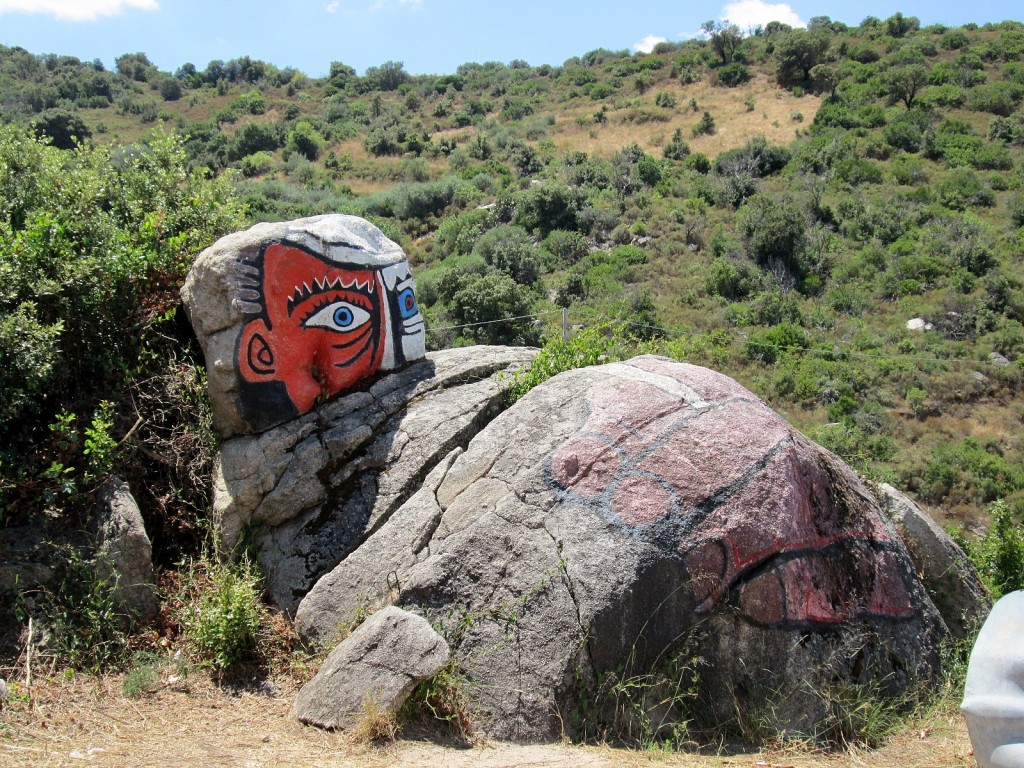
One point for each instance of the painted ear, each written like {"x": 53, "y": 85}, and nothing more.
{"x": 256, "y": 361}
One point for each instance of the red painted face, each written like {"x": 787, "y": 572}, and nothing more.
{"x": 323, "y": 328}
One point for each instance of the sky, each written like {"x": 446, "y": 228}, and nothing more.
{"x": 427, "y": 36}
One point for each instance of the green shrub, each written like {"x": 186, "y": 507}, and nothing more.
{"x": 733, "y": 74}
{"x": 590, "y": 346}
{"x": 566, "y": 246}
{"x": 770, "y": 345}
{"x": 677, "y": 148}
{"x": 510, "y": 250}
{"x": 999, "y": 556}
{"x": 257, "y": 164}
{"x": 971, "y": 469}
{"x": 304, "y": 140}
{"x": 705, "y": 126}
{"x": 83, "y": 235}
{"x": 79, "y": 614}
{"x": 962, "y": 189}
{"x": 222, "y": 618}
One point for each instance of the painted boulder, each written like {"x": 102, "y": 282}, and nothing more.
{"x": 289, "y": 314}
{"x": 621, "y": 516}
{"x": 994, "y": 693}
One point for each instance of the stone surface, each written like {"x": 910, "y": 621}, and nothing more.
{"x": 620, "y": 514}
{"x": 952, "y": 582}
{"x": 124, "y": 552}
{"x": 23, "y": 552}
{"x": 994, "y": 693}
{"x": 308, "y": 492}
{"x": 377, "y": 665}
{"x": 291, "y": 313}
{"x": 918, "y": 324}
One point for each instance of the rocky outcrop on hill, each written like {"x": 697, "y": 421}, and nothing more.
{"x": 621, "y": 515}
{"x": 307, "y": 493}
{"x": 952, "y": 582}
{"x": 615, "y": 520}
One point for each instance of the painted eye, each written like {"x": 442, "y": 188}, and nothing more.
{"x": 407, "y": 304}
{"x": 338, "y": 316}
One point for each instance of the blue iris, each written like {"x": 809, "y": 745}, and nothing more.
{"x": 343, "y": 317}
{"x": 407, "y": 304}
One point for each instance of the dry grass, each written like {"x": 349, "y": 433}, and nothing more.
{"x": 771, "y": 116}
{"x": 191, "y": 722}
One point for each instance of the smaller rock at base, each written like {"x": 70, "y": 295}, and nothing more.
{"x": 125, "y": 554}
{"x": 376, "y": 666}
{"x": 4, "y": 693}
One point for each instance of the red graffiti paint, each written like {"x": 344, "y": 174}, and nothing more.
{"x": 724, "y": 486}
{"x": 322, "y": 329}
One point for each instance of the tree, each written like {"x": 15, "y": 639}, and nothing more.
{"x": 509, "y": 250}
{"x": 677, "y": 148}
{"x": 170, "y": 88}
{"x": 388, "y": 76}
{"x": 797, "y": 53}
{"x": 905, "y": 82}
{"x": 899, "y": 25}
{"x": 725, "y": 38}
{"x": 63, "y": 127}
{"x": 826, "y": 78}
{"x": 774, "y": 230}
{"x": 254, "y": 137}
{"x": 135, "y": 66}
{"x": 495, "y": 306}
{"x": 305, "y": 140}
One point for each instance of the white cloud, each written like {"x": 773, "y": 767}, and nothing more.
{"x": 380, "y": 5}
{"x": 76, "y": 10}
{"x": 647, "y": 44}
{"x": 747, "y": 14}
{"x": 332, "y": 7}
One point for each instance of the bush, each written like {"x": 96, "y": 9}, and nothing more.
{"x": 257, "y": 164}
{"x": 962, "y": 189}
{"x": 548, "y": 206}
{"x": 999, "y": 556}
{"x": 705, "y": 126}
{"x": 732, "y": 75}
{"x": 457, "y": 235}
{"x": 485, "y": 302}
{"x": 774, "y": 229}
{"x": 566, "y": 246}
{"x": 590, "y": 346}
{"x": 971, "y": 469}
{"x": 677, "y": 148}
{"x": 304, "y": 140}
{"x": 774, "y": 343}
{"x": 221, "y": 620}
{"x": 79, "y": 614}
{"x": 510, "y": 250}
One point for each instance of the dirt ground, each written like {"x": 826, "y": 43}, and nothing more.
{"x": 192, "y": 722}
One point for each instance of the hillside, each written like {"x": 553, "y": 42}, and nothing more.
{"x": 776, "y": 206}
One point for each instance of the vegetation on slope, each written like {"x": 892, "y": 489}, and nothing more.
{"x": 776, "y": 205}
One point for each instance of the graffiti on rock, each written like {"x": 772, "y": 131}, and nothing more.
{"x": 317, "y": 326}
{"x": 716, "y": 478}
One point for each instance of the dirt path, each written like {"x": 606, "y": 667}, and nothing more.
{"x": 87, "y": 721}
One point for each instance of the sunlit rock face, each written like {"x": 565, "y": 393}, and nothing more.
{"x": 291, "y": 314}
{"x": 623, "y": 514}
